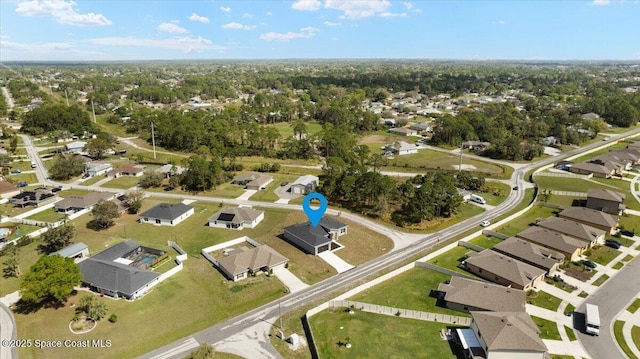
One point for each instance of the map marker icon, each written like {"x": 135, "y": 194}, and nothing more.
{"x": 314, "y": 215}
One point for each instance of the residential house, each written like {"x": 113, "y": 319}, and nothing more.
{"x": 74, "y": 204}
{"x": 315, "y": 240}
{"x": 33, "y": 198}
{"x": 496, "y": 335}
{"x": 570, "y": 247}
{"x": 75, "y": 147}
{"x": 475, "y": 145}
{"x": 304, "y": 184}
{"x": 590, "y": 116}
{"x": 503, "y": 270}
{"x": 127, "y": 170}
{"x": 236, "y": 218}
{"x": 97, "y": 168}
{"x": 169, "y": 170}
{"x": 531, "y": 253}
{"x": 574, "y": 229}
{"x": 421, "y": 127}
{"x": 167, "y": 214}
{"x": 467, "y": 295}
{"x": 253, "y": 180}
{"x": 601, "y": 170}
{"x": 241, "y": 262}
{"x": 401, "y": 148}
{"x": 591, "y": 217}
{"x": 606, "y": 201}
{"x": 8, "y": 190}
{"x": 77, "y": 251}
{"x": 550, "y": 141}
{"x": 403, "y": 131}
{"x": 110, "y": 272}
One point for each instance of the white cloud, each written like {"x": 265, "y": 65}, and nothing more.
{"x": 329, "y": 23}
{"x": 186, "y": 43}
{"x": 307, "y": 5}
{"x": 246, "y": 15}
{"x": 334, "y": 39}
{"x": 305, "y": 33}
{"x": 237, "y": 26}
{"x": 36, "y": 47}
{"x": 500, "y": 22}
{"x": 62, "y": 12}
{"x": 600, "y": 2}
{"x": 198, "y": 18}
{"x": 269, "y": 13}
{"x": 225, "y": 9}
{"x": 172, "y": 28}
{"x": 356, "y": 9}
{"x": 408, "y": 5}
{"x": 388, "y": 15}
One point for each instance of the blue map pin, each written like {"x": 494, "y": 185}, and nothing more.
{"x": 314, "y": 215}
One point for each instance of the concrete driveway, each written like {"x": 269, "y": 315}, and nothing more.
{"x": 247, "y": 193}
{"x": 335, "y": 261}
{"x": 290, "y": 280}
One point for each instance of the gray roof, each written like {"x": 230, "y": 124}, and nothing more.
{"x": 331, "y": 224}
{"x": 485, "y": 296}
{"x": 605, "y": 194}
{"x": 168, "y": 167}
{"x": 590, "y": 216}
{"x": 593, "y": 167}
{"x": 102, "y": 272}
{"x": 167, "y": 211}
{"x": 98, "y": 166}
{"x": 508, "y": 331}
{"x": 236, "y": 215}
{"x": 71, "y": 250}
{"x": 528, "y": 252}
{"x": 246, "y": 176}
{"x": 552, "y": 239}
{"x": 506, "y": 267}
{"x": 305, "y": 180}
{"x": 242, "y": 259}
{"x": 314, "y": 236}
{"x": 83, "y": 202}
{"x": 572, "y": 228}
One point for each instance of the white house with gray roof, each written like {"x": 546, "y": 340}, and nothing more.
{"x": 167, "y": 214}
{"x": 315, "y": 240}
{"x": 304, "y": 184}
{"x": 77, "y": 251}
{"x": 236, "y": 218}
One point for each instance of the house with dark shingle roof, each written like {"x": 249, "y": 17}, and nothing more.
{"x": 167, "y": 214}
{"x": 468, "y": 295}
{"x": 104, "y": 273}
{"x": 606, "y": 201}
{"x": 530, "y": 253}
{"x": 591, "y": 217}
{"x": 503, "y": 270}
{"x": 574, "y": 229}
{"x": 236, "y": 218}
{"x": 315, "y": 240}
{"x": 239, "y": 263}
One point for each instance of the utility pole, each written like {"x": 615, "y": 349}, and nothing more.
{"x": 153, "y": 141}
{"x": 460, "y": 166}
{"x": 66, "y": 95}
{"x": 94, "y": 111}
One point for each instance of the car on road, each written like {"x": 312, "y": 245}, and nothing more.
{"x": 613, "y": 244}
{"x": 628, "y": 233}
{"x": 22, "y": 184}
{"x": 485, "y": 224}
{"x": 284, "y": 184}
{"x": 515, "y": 188}
{"x": 589, "y": 264}
{"x": 16, "y": 171}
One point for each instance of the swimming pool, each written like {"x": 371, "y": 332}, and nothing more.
{"x": 5, "y": 232}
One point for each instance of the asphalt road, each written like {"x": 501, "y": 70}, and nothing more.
{"x": 319, "y": 290}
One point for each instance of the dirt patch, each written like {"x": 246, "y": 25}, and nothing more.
{"x": 465, "y": 167}
{"x": 578, "y": 273}
{"x": 375, "y": 139}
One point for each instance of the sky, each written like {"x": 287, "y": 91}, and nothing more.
{"x": 62, "y": 30}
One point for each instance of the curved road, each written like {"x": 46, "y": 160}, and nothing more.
{"x": 319, "y": 290}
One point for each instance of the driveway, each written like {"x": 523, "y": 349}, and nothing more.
{"x": 284, "y": 192}
{"x": 247, "y": 193}
{"x": 8, "y": 331}
{"x": 290, "y": 280}
{"x": 335, "y": 261}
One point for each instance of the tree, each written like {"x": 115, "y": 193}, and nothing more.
{"x": 13, "y": 144}
{"x": 150, "y": 179}
{"x": 56, "y": 238}
{"x": 202, "y": 175}
{"x": 205, "y": 351}
{"x": 97, "y": 147}
{"x": 51, "y": 278}
{"x": 103, "y": 214}
{"x": 134, "y": 201}
{"x": 11, "y": 265}
{"x": 65, "y": 167}
{"x": 94, "y": 308}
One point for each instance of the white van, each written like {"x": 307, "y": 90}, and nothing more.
{"x": 33, "y": 164}
{"x": 477, "y": 199}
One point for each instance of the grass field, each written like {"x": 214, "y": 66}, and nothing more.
{"x": 603, "y": 254}
{"x": 634, "y": 306}
{"x": 92, "y": 180}
{"x": 561, "y": 200}
{"x": 22, "y": 165}
{"x": 452, "y": 259}
{"x": 22, "y": 177}
{"x": 409, "y": 290}
{"x": 548, "y": 329}
{"x": 48, "y": 215}
{"x": 598, "y": 282}
{"x": 369, "y": 335}
{"x": 571, "y": 334}
{"x": 544, "y": 300}
{"x": 431, "y": 159}
{"x": 635, "y": 335}
{"x": 267, "y": 194}
{"x": 582, "y": 185}
{"x": 570, "y": 308}
{"x": 617, "y": 333}
{"x": 225, "y": 190}
{"x": 523, "y": 222}
{"x": 124, "y": 182}
{"x": 286, "y": 129}
{"x": 485, "y": 242}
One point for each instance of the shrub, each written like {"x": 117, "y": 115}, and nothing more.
{"x": 77, "y": 326}
{"x": 113, "y": 318}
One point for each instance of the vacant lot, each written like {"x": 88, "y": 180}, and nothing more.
{"x": 452, "y": 259}
{"x": 582, "y": 185}
{"x": 526, "y": 220}
{"x": 485, "y": 241}
{"x": 124, "y": 182}
{"x": 378, "y": 336}
{"x": 48, "y": 215}
{"x": 224, "y": 190}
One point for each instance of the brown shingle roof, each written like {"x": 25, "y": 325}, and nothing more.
{"x": 506, "y": 267}
{"x": 508, "y": 331}
{"x": 572, "y": 228}
{"x": 485, "y": 296}
{"x": 529, "y": 252}
{"x": 552, "y": 239}
{"x": 83, "y": 202}
{"x": 590, "y": 216}
{"x": 605, "y": 194}
{"x": 243, "y": 259}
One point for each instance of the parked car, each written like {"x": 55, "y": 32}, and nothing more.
{"x": 613, "y": 244}
{"x": 589, "y": 264}
{"x": 485, "y": 224}
{"x": 284, "y": 184}
{"x": 56, "y": 189}
{"x": 628, "y": 233}
{"x": 16, "y": 171}
{"x": 22, "y": 184}
{"x": 515, "y": 188}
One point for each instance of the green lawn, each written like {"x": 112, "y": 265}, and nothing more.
{"x": 583, "y": 294}
{"x": 225, "y": 190}
{"x": 48, "y": 215}
{"x": 124, "y": 182}
{"x": 559, "y": 356}
{"x": 485, "y": 241}
{"x": 635, "y": 335}
{"x": 286, "y": 128}
{"x": 561, "y": 200}
{"x": 22, "y": 165}
{"x": 603, "y": 254}
{"x": 617, "y": 332}
{"x": 603, "y": 278}
{"x": 378, "y": 336}
{"x": 582, "y": 185}
{"x": 634, "y": 306}
{"x": 526, "y": 220}
{"x": 267, "y": 194}
{"x": 548, "y": 329}
{"x": 72, "y": 192}
{"x": 627, "y": 258}
{"x": 452, "y": 259}
{"x": 618, "y": 265}
{"x": 570, "y": 308}
{"x": 544, "y": 300}
{"x": 630, "y": 223}
{"x": 92, "y": 180}
{"x": 409, "y": 290}
{"x": 23, "y": 177}
{"x": 497, "y": 193}
{"x": 432, "y": 159}
{"x": 570, "y": 333}
{"x": 616, "y": 146}
{"x": 465, "y": 211}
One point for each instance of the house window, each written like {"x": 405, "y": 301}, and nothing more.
{"x": 497, "y": 278}
{"x": 466, "y": 307}
{"x": 479, "y": 270}
{"x": 146, "y": 219}
{"x": 158, "y": 221}
{"x": 171, "y": 222}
